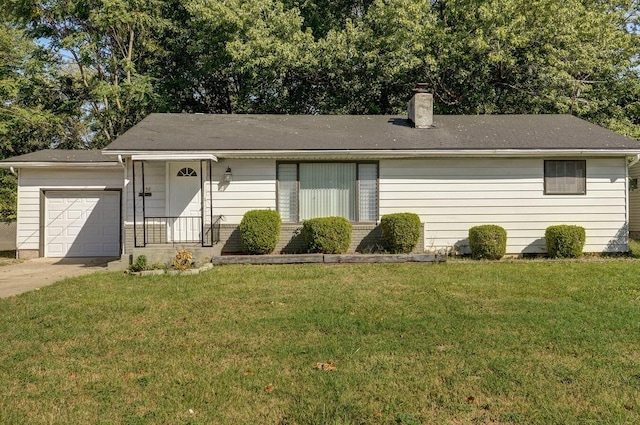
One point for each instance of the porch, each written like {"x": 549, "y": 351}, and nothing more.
{"x": 170, "y": 204}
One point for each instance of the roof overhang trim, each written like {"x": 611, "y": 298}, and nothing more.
{"x": 372, "y": 154}
{"x": 172, "y": 156}
{"x": 58, "y": 164}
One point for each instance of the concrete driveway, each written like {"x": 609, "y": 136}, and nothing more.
{"x": 32, "y": 274}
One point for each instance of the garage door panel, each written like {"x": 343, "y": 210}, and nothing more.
{"x": 55, "y": 230}
{"x": 82, "y": 224}
{"x": 55, "y": 249}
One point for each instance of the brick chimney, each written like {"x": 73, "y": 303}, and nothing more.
{"x": 420, "y": 107}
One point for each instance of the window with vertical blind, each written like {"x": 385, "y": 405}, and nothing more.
{"x": 565, "y": 177}
{"x": 326, "y": 189}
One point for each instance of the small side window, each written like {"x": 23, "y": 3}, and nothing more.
{"x": 565, "y": 177}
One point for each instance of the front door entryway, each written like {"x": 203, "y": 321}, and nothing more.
{"x": 185, "y": 204}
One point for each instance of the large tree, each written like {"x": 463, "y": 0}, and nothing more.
{"x": 104, "y": 43}
{"x": 38, "y": 106}
{"x": 348, "y": 56}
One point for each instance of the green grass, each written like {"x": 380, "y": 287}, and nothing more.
{"x": 634, "y": 248}
{"x": 522, "y": 342}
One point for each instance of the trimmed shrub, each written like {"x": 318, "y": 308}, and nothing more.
{"x": 260, "y": 231}
{"x": 400, "y": 232}
{"x": 139, "y": 265}
{"x": 327, "y": 235}
{"x": 564, "y": 241}
{"x": 488, "y": 242}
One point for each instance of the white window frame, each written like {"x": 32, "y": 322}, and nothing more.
{"x": 550, "y": 166}
{"x": 357, "y": 189}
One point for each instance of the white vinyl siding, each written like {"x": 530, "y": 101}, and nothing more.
{"x": 155, "y": 182}
{"x": 33, "y": 180}
{"x": 452, "y": 195}
{"x": 253, "y": 187}
{"x": 634, "y": 200}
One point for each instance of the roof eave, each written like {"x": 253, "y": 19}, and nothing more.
{"x": 57, "y": 164}
{"x": 369, "y": 153}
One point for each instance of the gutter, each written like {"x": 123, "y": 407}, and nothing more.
{"x": 162, "y": 155}
{"x": 405, "y": 153}
{"x": 12, "y": 165}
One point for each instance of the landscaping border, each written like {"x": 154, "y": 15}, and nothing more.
{"x": 328, "y": 258}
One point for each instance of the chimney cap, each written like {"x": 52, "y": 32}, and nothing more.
{"x": 421, "y": 88}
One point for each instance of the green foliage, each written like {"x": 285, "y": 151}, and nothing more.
{"x": 126, "y": 59}
{"x": 140, "y": 264}
{"x": 105, "y": 43}
{"x": 564, "y": 241}
{"x": 400, "y": 231}
{"x": 8, "y": 188}
{"x": 327, "y": 235}
{"x": 260, "y": 231}
{"x": 37, "y": 106}
{"x": 488, "y": 242}
{"x": 634, "y": 248}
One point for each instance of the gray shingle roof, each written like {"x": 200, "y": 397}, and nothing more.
{"x": 62, "y": 156}
{"x": 197, "y": 132}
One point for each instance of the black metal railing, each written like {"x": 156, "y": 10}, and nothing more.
{"x": 167, "y": 230}
{"x": 180, "y": 230}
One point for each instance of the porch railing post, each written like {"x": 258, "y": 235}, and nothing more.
{"x": 202, "y": 204}
{"x": 144, "y": 209}
{"x": 211, "y": 200}
{"x": 133, "y": 191}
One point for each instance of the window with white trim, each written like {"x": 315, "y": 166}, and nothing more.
{"x": 325, "y": 189}
{"x": 565, "y": 177}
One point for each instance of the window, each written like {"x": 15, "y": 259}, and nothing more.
{"x": 187, "y": 172}
{"x": 565, "y": 177}
{"x": 325, "y": 189}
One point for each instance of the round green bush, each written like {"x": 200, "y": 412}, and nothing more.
{"x": 488, "y": 241}
{"x": 400, "y": 232}
{"x": 564, "y": 241}
{"x": 260, "y": 231}
{"x": 327, "y": 235}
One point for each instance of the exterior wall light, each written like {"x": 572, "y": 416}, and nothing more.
{"x": 227, "y": 175}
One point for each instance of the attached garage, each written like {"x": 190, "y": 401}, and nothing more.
{"x": 69, "y": 204}
{"x": 82, "y": 224}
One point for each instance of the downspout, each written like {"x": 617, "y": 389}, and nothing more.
{"x": 628, "y": 197}
{"x": 123, "y": 209}
{"x": 13, "y": 171}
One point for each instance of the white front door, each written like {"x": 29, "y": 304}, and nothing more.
{"x": 185, "y": 205}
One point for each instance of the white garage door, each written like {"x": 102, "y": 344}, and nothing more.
{"x": 82, "y": 224}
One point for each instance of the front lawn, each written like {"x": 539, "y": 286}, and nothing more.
{"x": 523, "y": 342}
